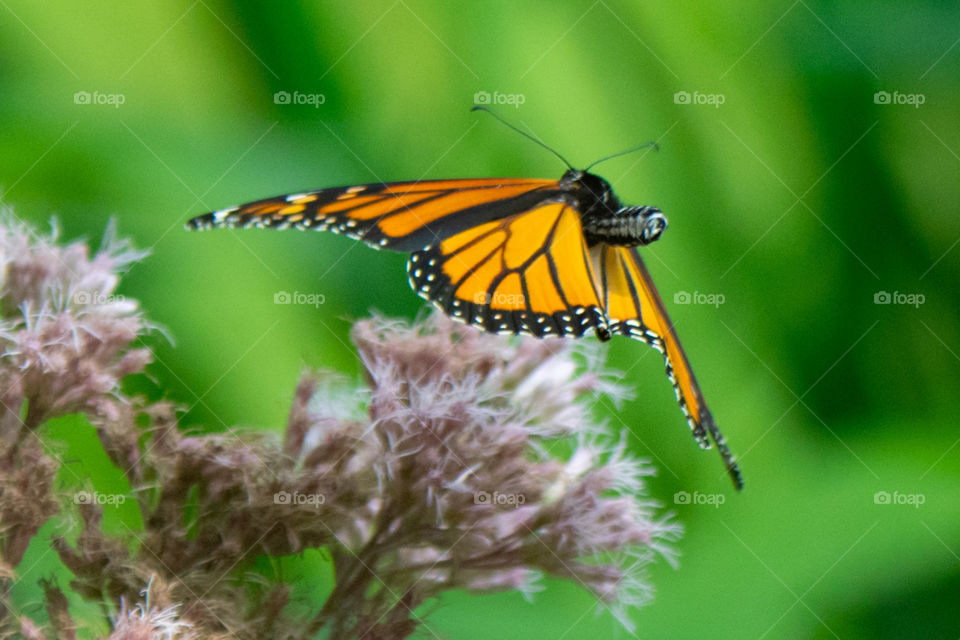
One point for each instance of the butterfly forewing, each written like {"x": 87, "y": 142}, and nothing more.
{"x": 404, "y": 216}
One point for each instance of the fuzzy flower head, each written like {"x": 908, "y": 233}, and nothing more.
{"x": 146, "y": 622}
{"x": 64, "y": 331}
{"x": 465, "y": 436}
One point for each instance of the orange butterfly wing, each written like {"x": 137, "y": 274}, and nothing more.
{"x": 528, "y": 273}
{"x": 634, "y": 308}
{"x": 404, "y": 216}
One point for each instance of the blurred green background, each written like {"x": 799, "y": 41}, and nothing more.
{"x": 799, "y": 199}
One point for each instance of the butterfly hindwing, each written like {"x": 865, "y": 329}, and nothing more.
{"x": 404, "y": 216}
{"x": 634, "y": 308}
{"x": 529, "y": 273}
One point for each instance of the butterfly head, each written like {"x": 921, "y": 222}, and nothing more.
{"x": 594, "y": 195}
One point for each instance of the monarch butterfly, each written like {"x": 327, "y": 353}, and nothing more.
{"x": 511, "y": 255}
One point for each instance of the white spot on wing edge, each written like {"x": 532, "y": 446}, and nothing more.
{"x": 218, "y": 216}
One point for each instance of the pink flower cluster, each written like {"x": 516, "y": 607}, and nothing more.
{"x": 466, "y": 461}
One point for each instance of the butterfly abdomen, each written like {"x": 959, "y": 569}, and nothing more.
{"x": 629, "y": 227}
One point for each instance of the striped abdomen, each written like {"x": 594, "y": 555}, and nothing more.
{"x": 629, "y": 226}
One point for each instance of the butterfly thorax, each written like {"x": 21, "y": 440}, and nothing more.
{"x": 605, "y": 219}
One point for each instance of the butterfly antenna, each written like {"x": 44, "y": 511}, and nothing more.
{"x": 524, "y": 134}
{"x": 653, "y": 144}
